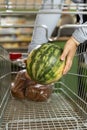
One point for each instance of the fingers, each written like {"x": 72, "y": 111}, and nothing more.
{"x": 68, "y": 55}
{"x": 68, "y": 64}
{"x": 65, "y": 53}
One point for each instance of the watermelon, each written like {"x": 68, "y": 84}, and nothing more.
{"x": 44, "y": 65}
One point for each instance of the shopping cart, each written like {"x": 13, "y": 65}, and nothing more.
{"x": 66, "y": 109}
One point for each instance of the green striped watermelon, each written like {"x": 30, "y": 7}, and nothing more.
{"x": 44, "y": 65}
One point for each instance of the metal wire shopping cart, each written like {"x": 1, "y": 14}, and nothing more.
{"x": 65, "y": 110}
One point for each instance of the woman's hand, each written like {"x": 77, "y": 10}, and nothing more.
{"x": 68, "y": 53}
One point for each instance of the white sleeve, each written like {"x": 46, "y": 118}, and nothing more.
{"x": 48, "y": 20}
{"x": 80, "y": 34}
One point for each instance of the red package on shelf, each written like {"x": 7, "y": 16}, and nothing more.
{"x": 15, "y": 55}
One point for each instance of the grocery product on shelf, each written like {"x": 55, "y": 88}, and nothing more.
{"x": 13, "y": 34}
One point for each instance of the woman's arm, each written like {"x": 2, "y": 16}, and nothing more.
{"x": 79, "y": 36}
{"x": 49, "y": 20}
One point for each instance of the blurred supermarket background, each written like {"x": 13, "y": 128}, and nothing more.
{"x": 17, "y": 20}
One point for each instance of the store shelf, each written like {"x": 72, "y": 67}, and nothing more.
{"x": 16, "y": 32}
{"x": 19, "y": 49}
{"x": 14, "y": 41}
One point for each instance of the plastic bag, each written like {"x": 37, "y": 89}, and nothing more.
{"x": 19, "y": 86}
{"x": 23, "y": 87}
{"x": 38, "y": 92}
